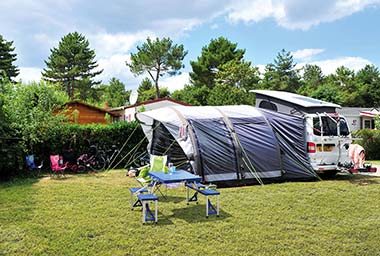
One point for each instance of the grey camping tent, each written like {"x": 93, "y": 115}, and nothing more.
{"x": 230, "y": 145}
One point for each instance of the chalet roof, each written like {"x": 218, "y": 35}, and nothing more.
{"x": 79, "y": 102}
{"x": 296, "y": 99}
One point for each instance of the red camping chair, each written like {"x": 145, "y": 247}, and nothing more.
{"x": 57, "y": 165}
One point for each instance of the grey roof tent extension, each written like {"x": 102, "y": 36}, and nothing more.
{"x": 291, "y": 103}
{"x": 230, "y": 145}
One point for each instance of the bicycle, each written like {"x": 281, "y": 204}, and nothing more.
{"x": 92, "y": 160}
{"x": 109, "y": 155}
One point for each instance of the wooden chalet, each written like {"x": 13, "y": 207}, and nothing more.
{"x": 83, "y": 113}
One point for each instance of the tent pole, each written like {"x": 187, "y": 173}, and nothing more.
{"x": 198, "y": 165}
{"x": 235, "y": 142}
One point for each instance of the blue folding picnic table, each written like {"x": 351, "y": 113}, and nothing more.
{"x": 191, "y": 181}
{"x": 177, "y": 176}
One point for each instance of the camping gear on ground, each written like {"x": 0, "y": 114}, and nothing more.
{"x": 157, "y": 164}
{"x": 57, "y": 165}
{"x": 357, "y": 155}
{"x": 230, "y": 145}
{"x": 32, "y": 166}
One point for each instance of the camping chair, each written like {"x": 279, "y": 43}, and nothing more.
{"x": 57, "y": 166}
{"x": 157, "y": 164}
{"x": 34, "y": 169}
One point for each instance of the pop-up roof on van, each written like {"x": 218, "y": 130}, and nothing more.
{"x": 292, "y": 103}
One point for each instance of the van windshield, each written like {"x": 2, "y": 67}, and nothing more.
{"x": 329, "y": 127}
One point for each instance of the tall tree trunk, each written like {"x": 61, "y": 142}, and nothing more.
{"x": 156, "y": 84}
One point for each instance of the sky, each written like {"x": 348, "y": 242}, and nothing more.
{"x": 329, "y": 33}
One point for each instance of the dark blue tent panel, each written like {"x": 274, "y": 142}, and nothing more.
{"x": 216, "y": 150}
{"x": 230, "y": 144}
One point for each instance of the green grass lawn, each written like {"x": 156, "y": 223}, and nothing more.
{"x": 91, "y": 215}
{"x": 376, "y": 162}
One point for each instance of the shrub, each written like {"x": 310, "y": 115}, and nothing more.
{"x": 370, "y": 142}
{"x": 11, "y": 159}
{"x": 80, "y": 137}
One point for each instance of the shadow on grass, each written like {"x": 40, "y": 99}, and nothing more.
{"x": 20, "y": 182}
{"x": 197, "y": 213}
{"x": 62, "y": 178}
{"x": 170, "y": 198}
{"x": 354, "y": 178}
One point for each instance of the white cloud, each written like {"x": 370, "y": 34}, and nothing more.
{"x": 306, "y": 54}
{"x": 330, "y": 66}
{"x": 255, "y": 10}
{"x": 175, "y": 82}
{"x": 295, "y": 14}
{"x": 106, "y": 44}
{"x": 175, "y": 26}
{"x": 214, "y": 26}
{"x": 261, "y": 69}
{"x": 29, "y": 74}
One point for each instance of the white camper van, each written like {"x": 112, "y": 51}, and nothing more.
{"x": 327, "y": 132}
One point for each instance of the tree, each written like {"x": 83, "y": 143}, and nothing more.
{"x": 344, "y": 81}
{"x": 157, "y": 58}
{"x": 7, "y": 58}
{"x": 312, "y": 79}
{"x": 236, "y": 77}
{"x": 328, "y": 92}
{"x": 30, "y": 107}
{"x": 218, "y": 52}
{"x": 147, "y": 91}
{"x": 116, "y": 95}
{"x": 151, "y": 94}
{"x": 235, "y": 96}
{"x": 72, "y": 64}
{"x": 239, "y": 74}
{"x": 192, "y": 94}
{"x": 368, "y": 82}
{"x": 145, "y": 85}
{"x": 282, "y": 74}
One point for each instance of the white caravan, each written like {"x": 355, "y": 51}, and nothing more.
{"x": 327, "y": 132}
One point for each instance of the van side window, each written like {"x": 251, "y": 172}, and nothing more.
{"x": 268, "y": 105}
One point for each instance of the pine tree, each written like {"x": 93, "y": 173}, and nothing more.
{"x": 282, "y": 75}
{"x": 7, "y": 58}
{"x": 72, "y": 64}
{"x": 158, "y": 58}
{"x": 217, "y": 53}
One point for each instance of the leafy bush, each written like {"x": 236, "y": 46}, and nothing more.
{"x": 11, "y": 158}
{"x": 29, "y": 109}
{"x": 370, "y": 141}
{"x": 80, "y": 137}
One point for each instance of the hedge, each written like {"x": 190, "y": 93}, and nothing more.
{"x": 11, "y": 157}
{"x": 78, "y": 137}
{"x": 370, "y": 140}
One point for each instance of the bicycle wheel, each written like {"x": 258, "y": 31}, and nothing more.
{"x": 99, "y": 163}
{"x": 81, "y": 169}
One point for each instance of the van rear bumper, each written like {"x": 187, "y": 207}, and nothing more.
{"x": 323, "y": 168}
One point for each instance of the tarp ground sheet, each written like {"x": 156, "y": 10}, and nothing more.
{"x": 230, "y": 145}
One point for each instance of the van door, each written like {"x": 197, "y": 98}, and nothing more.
{"x": 329, "y": 135}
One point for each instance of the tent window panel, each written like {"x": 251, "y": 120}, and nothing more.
{"x": 163, "y": 143}
{"x": 261, "y": 146}
{"x": 215, "y": 146}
